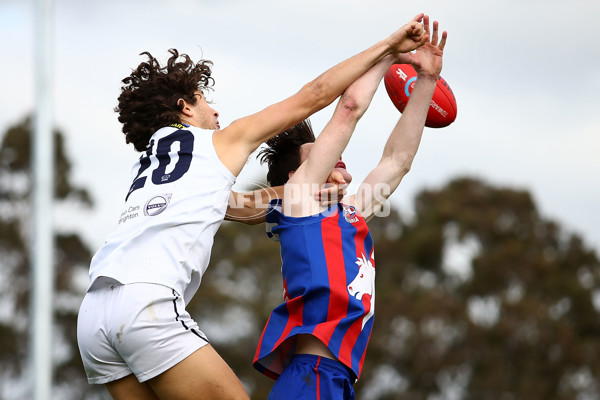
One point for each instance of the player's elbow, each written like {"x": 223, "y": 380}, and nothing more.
{"x": 351, "y": 109}
{"x": 350, "y": 103}
{"x": 315, "y": 95}
{"x": 320, "y": 93}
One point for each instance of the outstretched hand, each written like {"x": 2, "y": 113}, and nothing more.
{"x": 410, "y": 36}
{"x": 427, "y": 60}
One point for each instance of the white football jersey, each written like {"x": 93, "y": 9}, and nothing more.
{"x": 175, "y": 205}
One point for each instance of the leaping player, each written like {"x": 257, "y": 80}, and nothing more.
{"x": 314, "y": 343}
{"x": 134, "y": 333}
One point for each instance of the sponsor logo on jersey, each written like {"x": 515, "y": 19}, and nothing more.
{"x": 130, "y": 213}
{"x": 350, "y": 214}
{"x": 157, "y": 204}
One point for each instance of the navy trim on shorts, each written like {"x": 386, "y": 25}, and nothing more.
{"x": 195, "y": 332}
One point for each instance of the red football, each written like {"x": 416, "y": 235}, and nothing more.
{"x": 399, "y": 83}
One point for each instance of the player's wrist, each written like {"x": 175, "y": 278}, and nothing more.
{"x": 427, "y": 76}
{"x": 389, "y": 46}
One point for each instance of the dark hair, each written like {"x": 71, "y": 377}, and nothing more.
{"x": 148, "y": 99}
{"x": 282, "y": 153}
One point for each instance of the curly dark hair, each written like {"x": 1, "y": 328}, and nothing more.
{"x": 149, "y": 96}
{"x": 282, "y": 153}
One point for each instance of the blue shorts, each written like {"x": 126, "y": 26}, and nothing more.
{"x": 310, "y": 377}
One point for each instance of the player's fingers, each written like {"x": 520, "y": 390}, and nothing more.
{"x": 335, "y": 177}
{"x": 443, "y": 41}
{"x": 422, "y": 40}
{"x": 417, "y": 29}
{"x": 324, "y": 194}
{"x": 426, "y": 24}
{"x": 434, "y": 36}
{"x": 418, "y": 17}
{"x": 331, "y": 193}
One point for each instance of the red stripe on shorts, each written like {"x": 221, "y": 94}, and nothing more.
{"x": 318, "y": 379}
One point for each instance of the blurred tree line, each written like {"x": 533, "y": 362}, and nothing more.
{"x": 478, "y": 295}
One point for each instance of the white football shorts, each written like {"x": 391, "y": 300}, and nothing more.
{"x": 139, "y": 328}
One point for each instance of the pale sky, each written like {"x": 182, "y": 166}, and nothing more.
{"x": 524, "y": 73}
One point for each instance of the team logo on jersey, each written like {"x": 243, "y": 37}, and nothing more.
{"x": 157, "y": 204}
{"x": 350, "y": 214}
{"x": 363, "y": 285}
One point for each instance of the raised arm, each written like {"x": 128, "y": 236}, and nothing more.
{"x": 250, "y": 208}
{"x": 332, "y": 141}
{"x": 235, "y": 142}
{"x": 403, "y": 143}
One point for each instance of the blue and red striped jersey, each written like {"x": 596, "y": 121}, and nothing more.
{"x": 328, "y": 273}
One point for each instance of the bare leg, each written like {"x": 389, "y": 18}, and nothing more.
{"x": 203, "y": 375}
{"x": 129, "y": 388}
